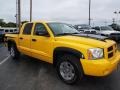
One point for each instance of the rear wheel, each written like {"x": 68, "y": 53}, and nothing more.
{"x": 14, "y": 52}
{"x": 69, "y": 69}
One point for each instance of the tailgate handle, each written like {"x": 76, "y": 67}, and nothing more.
{"x": 21, "y": 38}
{"x": 34, "y": 40}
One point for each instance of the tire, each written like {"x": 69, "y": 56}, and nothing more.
{"x": 69, "y": 69}
{"x": 14, "y": 52}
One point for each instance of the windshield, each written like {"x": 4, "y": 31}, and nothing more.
{"x": 106, "y": 28}
{"x": 62, "y": 29}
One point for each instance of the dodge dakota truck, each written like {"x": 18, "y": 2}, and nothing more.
{"x": 72, "y": 54}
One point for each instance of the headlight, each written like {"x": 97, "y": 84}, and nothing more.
{"x": 95, "y": 53}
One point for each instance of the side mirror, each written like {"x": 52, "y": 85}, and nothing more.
{"x": 42, "y": 33}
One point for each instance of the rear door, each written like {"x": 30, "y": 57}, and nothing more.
{"x": 41, "y": 45}
{"x": 25, "y": 39}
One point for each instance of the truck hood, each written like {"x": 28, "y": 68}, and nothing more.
{"x": 109, "y": 32}
{"x": 92, "y": 40}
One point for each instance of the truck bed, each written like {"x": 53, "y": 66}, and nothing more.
{"x": 12, "y": 35}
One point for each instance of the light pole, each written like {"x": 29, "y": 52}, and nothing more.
{"x": 30, "y": 10}
{"x": 90, "y": 12}
{"x": 19, "y": 14}
{"x": 17, "y": 26}
{"x": 113, "y": 20}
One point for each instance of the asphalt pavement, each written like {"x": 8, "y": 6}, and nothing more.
{"x": 28, "y": 73}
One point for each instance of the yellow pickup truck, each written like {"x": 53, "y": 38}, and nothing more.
{"x": 72, "y": 53}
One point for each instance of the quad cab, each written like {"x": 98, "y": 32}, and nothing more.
{"x": 71, "y": 53}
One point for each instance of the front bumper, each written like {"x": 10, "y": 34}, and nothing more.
{"x": 100, "y": 67}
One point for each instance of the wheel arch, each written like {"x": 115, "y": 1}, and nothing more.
{"x": 63, "y": 50}
{"x": 9, "y": 43}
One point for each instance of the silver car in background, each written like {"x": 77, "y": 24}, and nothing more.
{"x": 108, "y": 31}
{"x": 83, "y": 28}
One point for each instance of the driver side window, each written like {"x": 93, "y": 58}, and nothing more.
{"x": 39, "y": 28}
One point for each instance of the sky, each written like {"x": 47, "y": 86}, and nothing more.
{"x": 70, "y": 11}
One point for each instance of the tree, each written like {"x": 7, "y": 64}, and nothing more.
{"x": 2, "y": 23}
{"x": 11, "y": 24}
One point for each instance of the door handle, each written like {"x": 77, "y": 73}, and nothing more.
{"x": 34, "y": 40}
{"x": 21, "y": 38}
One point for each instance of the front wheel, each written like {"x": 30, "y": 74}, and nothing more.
{"x": 14, "y": 52}
{"x": 69, "y": 69}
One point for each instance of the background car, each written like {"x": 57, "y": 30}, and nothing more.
{"x": 115, "y": 27}
{"x": 1, "y": 35}
{"x": 109, "y": 32}
{"x": 85, "y": 29}
{"x": 7, "y": 30}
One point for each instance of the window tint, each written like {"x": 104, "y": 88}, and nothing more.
{"x": 39, "y": 27}
{"x": 15, "y": 29}
{"x": 11, "y": 30}
{"x": 106, "y": 28}
{"x": 6, "y": 30}
{"x": 27, "y": 29}
{"x": 97, "y": 28}
{"x": 1, "y": 29}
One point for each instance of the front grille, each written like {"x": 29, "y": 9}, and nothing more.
{"x": 116, "y": 46}
{"x": 112, "y": 50}
{"x": 110, "y": 55}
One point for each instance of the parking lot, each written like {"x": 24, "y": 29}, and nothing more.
{"x": 30, "y": 74}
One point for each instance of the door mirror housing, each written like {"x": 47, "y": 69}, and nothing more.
{"x": 42, "y": 33}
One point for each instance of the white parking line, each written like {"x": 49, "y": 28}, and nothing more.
{"x": 3, "y": 61}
